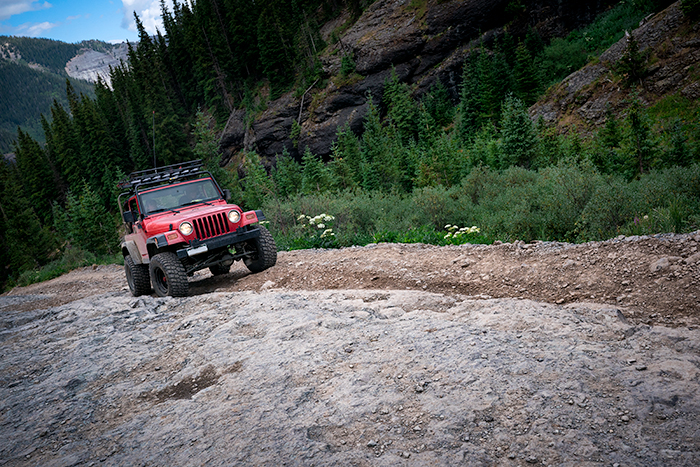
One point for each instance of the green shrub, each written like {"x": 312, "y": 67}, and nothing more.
{"x": 73, "y": 258}
{"x": 691, "y": 8}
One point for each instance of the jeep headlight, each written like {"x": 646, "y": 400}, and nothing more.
{"x": 186, "y": 228}
{"x": 234, "y": 216}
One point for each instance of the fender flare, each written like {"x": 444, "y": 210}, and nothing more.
{"x": 129, "y": 247}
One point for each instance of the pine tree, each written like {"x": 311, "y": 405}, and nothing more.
{"x": 428, "y": 128}
{"x": 287, "y": 175}
{"x": 66, "y": 147}
{"x": 439, "y": 164}
{"x": 518, "y": 134}
{"x": 347, "y": 159}
{"x": 90, "y": 226}
{"x": 27, "y": 243}
{"x": 379, "y": 168}
{"x": 36, "y": 175}
{"x": 257, "y": 186}
{"x": 401, "y": 109}
{"x": 315, "y": 177}
{"x": 525, "y": 74}
{"x": 609, "y": 138}
{"x": 439, "y": 105}
{"x": 632, "y": 64}
{"x": 468, "y": 119}
{"x": 678, "y": 152}
{"x": 638, "y": 145}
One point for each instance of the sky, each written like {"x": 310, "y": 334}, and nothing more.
{"x": 78, "y": 20}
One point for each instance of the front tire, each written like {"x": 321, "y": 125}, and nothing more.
{"x": 266, "y": 255}
{"x": 168, "y": 275}
{"x": 137, "y": 277}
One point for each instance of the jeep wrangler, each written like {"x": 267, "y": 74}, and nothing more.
{"x": 178, "y": 221}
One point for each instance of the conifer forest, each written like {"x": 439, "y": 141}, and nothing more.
{"x": 422, "y": 167}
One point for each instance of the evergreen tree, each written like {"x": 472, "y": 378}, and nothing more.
{"x": 609, "y": 138}
{"x": 287, "y": 175}
{"x": 346, "y": 164}
{"x": 379, "y": 168}
{"x": 518, "y": 134}
{"x": 275, "y": 60}
{"x": 428, "y": 128}
{"x": 28, "y": 244}
{"x": 678, "y": 152}
{"x": 638, "y": 145}
{"x": 468, "y": 119}
{"x": 525, "y": 74}
{"x": 36, "y": 175}
{"x": 438, "y": 105}
{"x": 632, "y": 64}
{"x": 315, "y": 177}
{"x": 90, "y": 226}
{"x": 439, "y": 163}
{"x": 66, "y": 147}
{"x": 207, "y": 149}
{"x": 257, "y": 186}
{"x": 495, "y": 82}
{"x": 401, "y": 109}
{"x": 549, "y": 145}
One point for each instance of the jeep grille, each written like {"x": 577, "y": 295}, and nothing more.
{"x": 211, "y": 226}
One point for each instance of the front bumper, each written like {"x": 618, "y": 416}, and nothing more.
{"x": 198, "y": 247}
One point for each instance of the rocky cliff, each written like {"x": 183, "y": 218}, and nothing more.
{"x": 422, "y": 40}
{"x": 671, "y": 45}
{"x": 89, "y": 63}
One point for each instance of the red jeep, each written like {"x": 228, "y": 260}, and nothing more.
{"x": 178, "y": 221}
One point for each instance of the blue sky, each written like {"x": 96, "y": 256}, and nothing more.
{"x": 77, "y": 20}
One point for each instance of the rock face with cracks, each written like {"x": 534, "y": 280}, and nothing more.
{"x": 248, "y": 371}
{"x": 421, "y": 41}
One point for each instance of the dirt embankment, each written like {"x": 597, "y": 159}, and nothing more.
{"x": 512, "y": 354}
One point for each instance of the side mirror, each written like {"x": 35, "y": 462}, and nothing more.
{"x": 128, "y": 217}
{"x": 227, "y": 194}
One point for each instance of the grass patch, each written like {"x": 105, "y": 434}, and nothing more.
{"x": 73, "y": 258}
{"x": 672, "y": 107}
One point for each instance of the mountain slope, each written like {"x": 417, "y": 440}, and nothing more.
{"x": 670, "y": 44}
{"x": 421, "y": 41}
{"x": 33, "y": 73}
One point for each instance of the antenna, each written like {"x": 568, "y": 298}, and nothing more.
{"x": 155, "y": 165}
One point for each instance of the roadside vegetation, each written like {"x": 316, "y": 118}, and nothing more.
{"x": 426, "y": 169}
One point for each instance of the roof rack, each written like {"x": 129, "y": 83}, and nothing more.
{"x": 161, "y": 174}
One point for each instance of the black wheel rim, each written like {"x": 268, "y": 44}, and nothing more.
{"x": 161, "y": 280}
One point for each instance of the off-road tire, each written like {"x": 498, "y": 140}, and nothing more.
{"x": 219, "y": 269}
{"x": 168, "y": 275}
{"x": 137, "y": 276}
{"x": 266, "y": 255}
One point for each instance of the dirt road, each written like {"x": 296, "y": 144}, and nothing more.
{"x": 512, "y": 354}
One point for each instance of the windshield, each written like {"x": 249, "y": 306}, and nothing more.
{"x": 173, "y": 197}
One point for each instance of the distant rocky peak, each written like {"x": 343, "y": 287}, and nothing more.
{"x": 89, "y": 63}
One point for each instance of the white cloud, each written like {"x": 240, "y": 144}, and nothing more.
{"x": 35, "y": 29}
{"x": 148, "y": 11}
{"x": 15, "y": 7}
